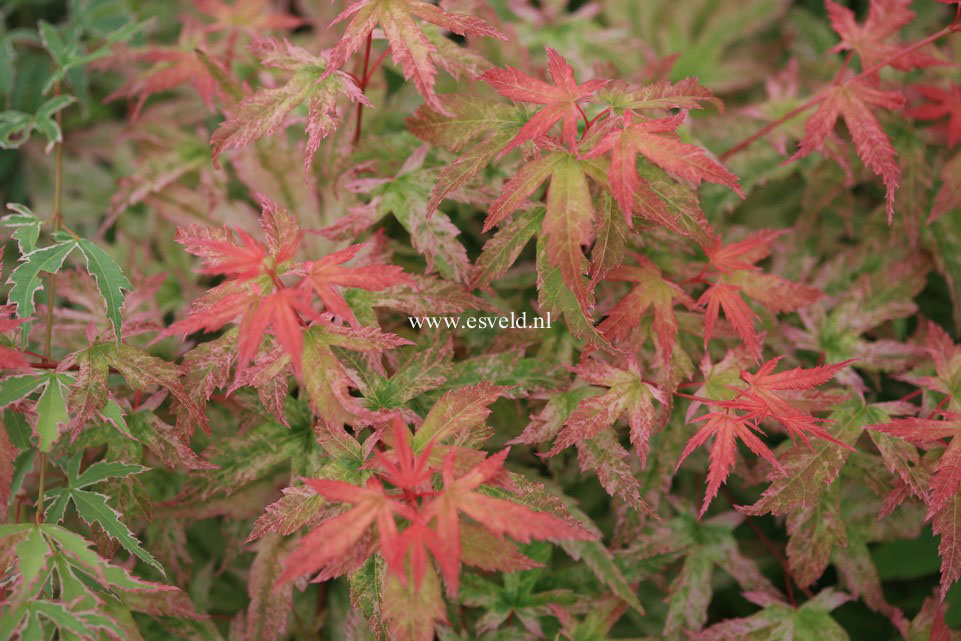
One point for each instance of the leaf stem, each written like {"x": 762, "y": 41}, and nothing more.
{"x": 768, "y": 128}
{"x": 587, "y": 123}
{"x": 373, "y": 67}
{"x": 363, "y": 87}
{"x": 775, "y": 552}
{"x": 56, "y": 220}
{"x": 42, "y": 461}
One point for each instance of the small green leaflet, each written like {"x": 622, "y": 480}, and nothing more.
{"x": 110, "y": 280}
{"x": 69, "y": 55}
{"x": 92, "y": 506}
{"x": 113, "y": 413}
{"x": 25, "y": 224}
{"x": 52, "y": 409}
{"x": 16, "y": 126}
{"x": 31, "y": 554}
{"x": 26, "y": 278}
{"x": 16, "y": 387}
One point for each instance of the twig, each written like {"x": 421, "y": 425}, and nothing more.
{"x": 363, "y": 87}
{"x": 775, "y": 552}
{"x": 56, "y": 220}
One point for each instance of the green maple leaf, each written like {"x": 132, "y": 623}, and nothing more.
{"x": 110, "y": 280}
{"x": 16, "y": 126}
{"x": 92, "y": 506}
{"x": 25, "y": 224}
{"x": 16, "y": 387}
{"x": 52, "y": 409}
{"x": 26, "y": 279}
{"x": 779, "y": 621}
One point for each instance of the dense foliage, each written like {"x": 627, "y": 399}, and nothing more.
{"x": 224, "y": 415}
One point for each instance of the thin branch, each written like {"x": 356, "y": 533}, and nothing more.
{"x": 775, "y": 552}
{"x": 363, "y": 87}
{"x": 374, "y": 67}
{"x": 56, "y": 220}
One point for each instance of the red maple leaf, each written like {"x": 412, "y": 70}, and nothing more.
{"x": 652, "y": 291}
{"x": 870, "y": 40}
{"x": 726, "y": 428}
{"x": 408, "y": 45}
{"x": 742, "y": 255}
{"x": 940, "y": 103}
{"x": 560, "y": 99}
{"x": 409, "y": 495}
{"x": 254, "y": 292}
{"x": 920, "y": 431}
{"x": 171, "y": 67}
{"x": 499, "y": 516}
{"x": 657, "y": 141}
{"x": 737, "y": 277}
{"x": 227, "y": 252}
{"x": 769, "y": 396}
{"x": 728, "y": 297}
{"x": 322, "y": 275}
{"x": 402, "y": 468}
{"x": 851, "y": 102}
{"x": 280, "y": 312}
{"x": 326, "y": 545}
{"x": 253, "y": 16}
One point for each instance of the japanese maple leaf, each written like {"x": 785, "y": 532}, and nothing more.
{"x": 946, "y": 357}
{"x": 253, "y": 16}
{"x": 739, "y": 276}
{"x": 279, "y": 311}
{"x": 943, "y": 500}
{"x": 651, "y": 292}
{"x": 742, "y": 255}
{"x": 223, "y": 254}
{"x": 870, "y": 40}
{"x": 325, "y": 546}
{"x": 171, "y": 67}
{"x": 560, "y": 99}
{"x": 409, "y": 47}
{"x": 403, "y": 468}
{"x": 324, "y": 274}
{"x": 254, "y": 292}
{"x": 770, "y": 395}
{"x": 851, "y": 101}
{"x": 227, "y": 252}
{"x": 657, "y": 142}
{"x": 728, "y": 297}
{"x": 940, "y": 103}
{"x": 460, "y": 496}
{"x": 947, "y": 473}
{"x": 265, "y": 111}
{"x": 627, "y": 394}
{"x": 567, "y": 220}
{"x": 726, "y": 428}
